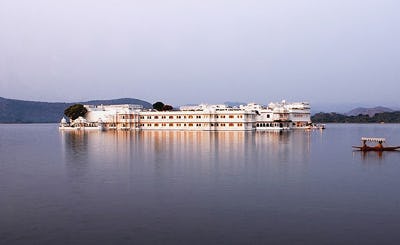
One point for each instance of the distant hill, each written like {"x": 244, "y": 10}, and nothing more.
{"x": 145, "y": 104}
{"x": 386, "y": 117}
{"x": 21, "y": 111}
{"x": 368, "y": 111}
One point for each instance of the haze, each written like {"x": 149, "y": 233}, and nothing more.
{"x": 179, "y": 52}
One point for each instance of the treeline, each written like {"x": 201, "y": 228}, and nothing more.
{"x": 385, "y": 117}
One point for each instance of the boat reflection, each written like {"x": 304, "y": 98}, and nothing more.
{"x": 370, "y": 155}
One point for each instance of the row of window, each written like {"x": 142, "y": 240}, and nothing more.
{"x": 188, "y": 116}
{"x": 191, "y": 124}
{"x": 127, "y": 116}
{"x": 263, "y": 125}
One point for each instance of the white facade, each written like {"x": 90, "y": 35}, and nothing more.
{"x": 276, "y": 116}
{"x": 281, "y": 116}
{"x": 298, "y": 113}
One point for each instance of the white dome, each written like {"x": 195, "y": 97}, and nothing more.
{"x": 80, "y": 120}
{"x": 63, "y": 120}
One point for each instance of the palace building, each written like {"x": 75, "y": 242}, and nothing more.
{"x": 203, "y": 117}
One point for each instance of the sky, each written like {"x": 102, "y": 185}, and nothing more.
{"x": 186, "y": 52}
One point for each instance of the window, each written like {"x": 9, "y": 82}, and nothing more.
{"x": 190, "y": 116}
{"x": 171, "y": 124}
{"x": 230, "y": 124}
{"x": 148, "y": 117}
{"x": 156, "y": 125}
{"x": 240, "y": 125}
{"x": 268, "y": 116}
{"x": 170, "y": 117}
{"x": 198, "y": 116}
{"x": 149, "y": 125}
{"x": 155, "y": 117}
{"x": 230, "y": 116}
{"x": 190, "y": 124}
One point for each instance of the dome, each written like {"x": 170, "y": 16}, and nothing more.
{"x": 80, "y": 120}
{"x": 63, "y": 120}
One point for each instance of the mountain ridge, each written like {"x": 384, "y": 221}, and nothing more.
{"x": 368, "y": 111}
{"x": 25, "y": 111}
{"x": 333, "y": 117}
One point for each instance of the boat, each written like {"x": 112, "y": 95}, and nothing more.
{"x": 378, "y": 147}
{"x": 315, "y": 126}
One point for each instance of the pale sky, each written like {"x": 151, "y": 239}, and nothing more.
{"x": 180, "y": 52}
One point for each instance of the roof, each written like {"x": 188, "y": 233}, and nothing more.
{"x": 373, "y": 139}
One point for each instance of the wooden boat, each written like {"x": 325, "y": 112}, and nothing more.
{"x": 378, "y": 147}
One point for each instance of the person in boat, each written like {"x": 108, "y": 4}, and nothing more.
{"x": 378, "y": 147}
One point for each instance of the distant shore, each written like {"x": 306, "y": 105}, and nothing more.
{"x": 333, "y": 117}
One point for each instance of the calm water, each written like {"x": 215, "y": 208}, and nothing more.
{"x": 197, "y": 187}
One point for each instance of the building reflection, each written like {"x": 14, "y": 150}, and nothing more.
{"x": 166, "y": 149}
{"x": 75, "y": 152}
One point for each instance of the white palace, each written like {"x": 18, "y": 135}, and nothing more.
{"x": 275, "y": 117}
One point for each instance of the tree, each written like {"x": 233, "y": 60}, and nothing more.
{"x": 158, "y": 106}
{"x": 167, "y": 108}
{"x": 75, "y": 111}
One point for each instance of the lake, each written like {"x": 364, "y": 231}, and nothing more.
{"x": 159, "y": 187}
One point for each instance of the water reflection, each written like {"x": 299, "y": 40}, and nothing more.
{"x": 371, "y": 155}
{"x": 374, "y": 156}
{"x": 164, "y": 150}
{"x": 75, "y": 145}
{"x": 76, "y": 156}
{"x": 159, "y": 187}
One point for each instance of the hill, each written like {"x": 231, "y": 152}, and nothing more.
{"x": 386, "y": 117}
{"x": 22, "y": 111}
{"x": 368, "y": 111}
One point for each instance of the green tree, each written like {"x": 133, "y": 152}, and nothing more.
{"x": 158, "y": 106}
{"x": 167, "y": 108}
{"x": 75, "y": 111}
